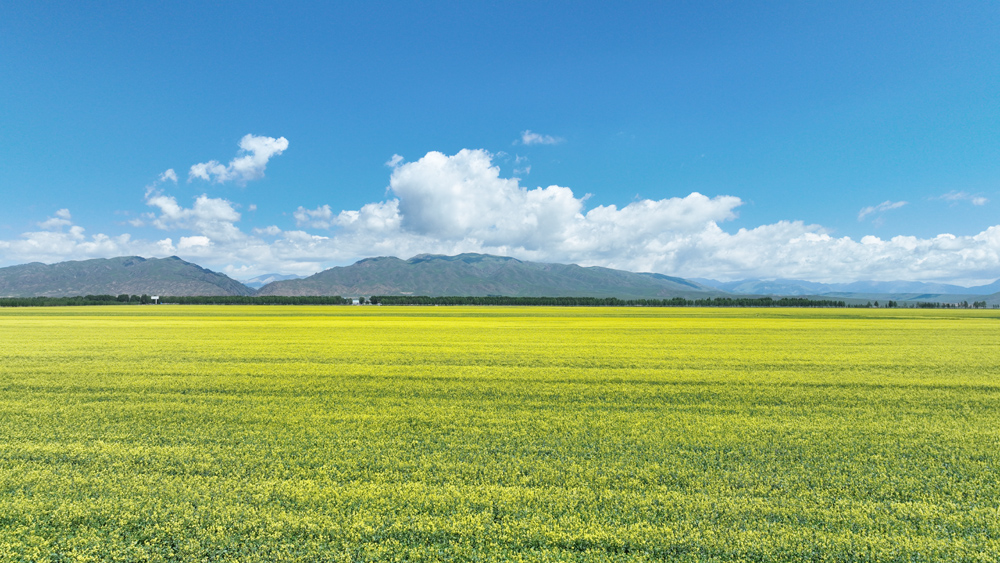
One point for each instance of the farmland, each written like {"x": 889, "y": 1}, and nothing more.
{"x": 178, "y": 433}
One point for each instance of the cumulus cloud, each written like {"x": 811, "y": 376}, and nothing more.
{"x": 169, "y": 174}
{"x": 528, "y": 137}
{"x": 461, "y": 203}
{"x": 56, "y": 242}
{"x": 882, "y": 207}
{"x": 954, "y": 196}
{"x": 394, "y": 161}
{"x": 248, "y": 165}
{"x": 462, "y": 198}
{"x": 60, "y": 219}
{"x": 214, "y": 217}
{"x": 197, "y": 241}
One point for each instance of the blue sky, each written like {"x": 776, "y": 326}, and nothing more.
{"x": 832, "y": 142}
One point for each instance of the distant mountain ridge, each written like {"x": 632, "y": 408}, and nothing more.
{"x": 802, "y": 287}
{"x": 438, "y": 275}
{"x": 483, "y": 275}
{"x": 260, "y": 281}
{"x": 133, "y": 275}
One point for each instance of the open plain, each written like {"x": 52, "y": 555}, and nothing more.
{"x": 179, "y": 433}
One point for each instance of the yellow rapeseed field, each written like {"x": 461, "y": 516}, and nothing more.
{"x": 200, "y": 433}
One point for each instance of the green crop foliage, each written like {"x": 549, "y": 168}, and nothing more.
{"x": 229, "y": 433}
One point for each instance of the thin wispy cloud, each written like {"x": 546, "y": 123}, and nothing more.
{"x": 271, "y": 230}
{"x": 248, "y": 165}
{"x": 529, "y": 137}
{"x": 521, "y": 166}
{"x": 880, "y": 208}
{"x": 956, "y": 196}
{"x": 320, "y": 218}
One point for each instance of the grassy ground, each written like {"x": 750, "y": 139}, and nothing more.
{"x": 179, "y": 433}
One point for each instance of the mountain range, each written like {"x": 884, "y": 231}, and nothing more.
{"x": 132, "y": 275}
{"x": 437, "y": 275}
{"x": 802, "y": 287}
{"x": 482, "y": 275}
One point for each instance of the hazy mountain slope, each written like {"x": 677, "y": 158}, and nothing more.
{"x": 802, "y": 287}
{"x": 113, "y": 276}
{"x": 481, "y": 274}
{"x": 264, "y": 279}
{"x": 989, "y": 289}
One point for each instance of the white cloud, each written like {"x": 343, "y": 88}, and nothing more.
{"x": 394, "y": 161}
{"x": 60, "y": 220}
{"x": 372, "y": 217}
{"x": 460, "y": 203}
{"x": 880, "y": 208}
{"x": 954, "y": 196}
{"x": 248, "y": 165}
{"x": 55, "y": 244}
{"x": 529, "y": 137}
{"x": 169, "y": 174}
{"x": 188, "y": 243}
{"x": 213, "y": 217}
{"x": 463, "y": 198}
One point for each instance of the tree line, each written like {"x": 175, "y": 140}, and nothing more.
{"x": 962, "y": 305}
{"x": 258, "y": 300}
{"x": 125, "y": 299}
{"x": 605, "y": 301}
